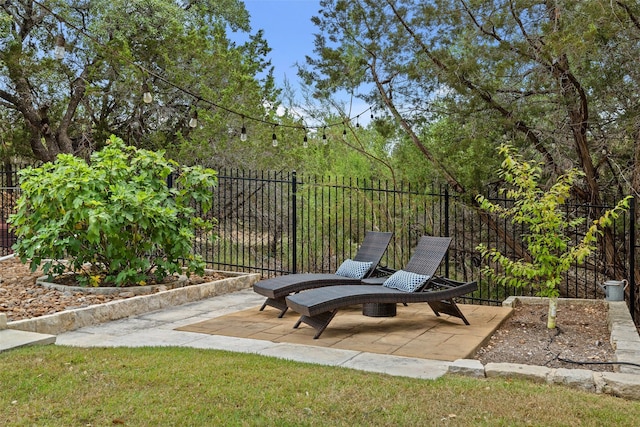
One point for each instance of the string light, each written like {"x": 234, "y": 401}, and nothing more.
{"x": 193, "y": 122}
{"x": 324, "y": 135}
{"x": 305, "y": 141}
{"x": 59, "y": 51}
{"x": 274, "y": 138}
{"x": 243, "y": 132}
{"x": 146, "y": 94}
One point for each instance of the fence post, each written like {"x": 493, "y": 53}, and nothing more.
{"x": 632, "y": 259}
{"x": 294, "y": 221}
{"x": 446, "y": 226}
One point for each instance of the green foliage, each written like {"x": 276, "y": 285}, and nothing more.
{"x": 541, "y": 213}
{"x": 464, "y": 150}
{"x": 114, "y": 220}
{"x": 547, "y": 76}
{"x": 181, "y": 50}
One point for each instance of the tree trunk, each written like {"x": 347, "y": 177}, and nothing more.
{"x": 553, "y": 311}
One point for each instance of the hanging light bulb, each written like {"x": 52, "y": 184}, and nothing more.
{"x": 243, "y": 132}
{"x": 59, "y": 51}
{"x": 305, "y": 141}
{"x": 324, "y": 135}
{"x": 274, "y": 138}
{"x": 146, "y": 94}
{"x": 193, "y": 122}
{"x": 357, "y": 121}
{"x": 344, "y": 133}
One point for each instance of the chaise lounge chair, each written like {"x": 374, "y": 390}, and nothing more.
{"x": 350, "y": 272}
{"x": 318, "y": 307}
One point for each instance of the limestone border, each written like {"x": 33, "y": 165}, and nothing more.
{"x": 73, "y": 319}
{"x": 624, "y": 382}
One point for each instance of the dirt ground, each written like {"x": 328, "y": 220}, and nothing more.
{"x": 582, "y": 334}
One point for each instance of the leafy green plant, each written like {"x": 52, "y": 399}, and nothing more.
{"x": 546, "y": 239}
{"x": 113, "y": 220}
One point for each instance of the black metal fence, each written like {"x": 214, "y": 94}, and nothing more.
{"x": 277, "y": 223}
{"x": 8, "y": 194}
{"x": 281, "y": 222}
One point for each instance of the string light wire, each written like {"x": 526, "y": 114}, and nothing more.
{"x": 188, "y": 92}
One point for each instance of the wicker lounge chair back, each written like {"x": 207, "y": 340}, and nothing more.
{"x": 372, "y": 249}
{"x": 428, "y": 255}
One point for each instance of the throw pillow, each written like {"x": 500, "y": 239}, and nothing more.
{"x": 405, "y": 281}
{"x": 353, "y": 269}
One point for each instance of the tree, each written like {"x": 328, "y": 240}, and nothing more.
{"x": 178, "y": 50}
{"x": 559, "y": 79}
{"x": 547, "y": 228}
{"x": 548, "y": 73}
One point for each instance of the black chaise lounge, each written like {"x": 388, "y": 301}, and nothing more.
{"x": 317, "y": 307}
{"x": 368, "y": 256}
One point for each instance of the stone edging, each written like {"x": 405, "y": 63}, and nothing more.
{"x": 180, "y": 282}
{"x": 70, "y": 320}
{"x": 625, "y": 382}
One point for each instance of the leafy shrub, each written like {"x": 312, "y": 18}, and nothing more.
{"x": 115, "y": 220}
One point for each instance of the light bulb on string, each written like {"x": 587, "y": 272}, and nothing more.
{"x": 344, "y": 133}
{"x": 274, "y": 138}
{"x": 193, "y": 122}
{"x": 59, "y": 51}
{"x": 243, "y": 132}
{"x": 305, "y": 141}
{"x": 357, "y": 121}
{"x": 146, "y": 94}
{"x": 324, "y": 135}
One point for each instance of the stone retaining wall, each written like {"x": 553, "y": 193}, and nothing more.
{"x": 70, "y": 320}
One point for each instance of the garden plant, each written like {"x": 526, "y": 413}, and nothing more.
{"x": 113, "y": 221}
{"x": 546, "y": 227}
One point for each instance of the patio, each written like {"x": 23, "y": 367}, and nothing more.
{"x": 414, "y": 332}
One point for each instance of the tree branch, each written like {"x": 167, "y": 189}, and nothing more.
{"x": 519, "y": 125}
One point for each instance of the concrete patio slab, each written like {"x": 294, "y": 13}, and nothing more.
{"x": 414, "y": 332}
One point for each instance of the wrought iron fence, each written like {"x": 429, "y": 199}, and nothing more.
{"x": 277, "y": 223}
{"x": 8, "y": 195}
{"x": 282, "y": 222}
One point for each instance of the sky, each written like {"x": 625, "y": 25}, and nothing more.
{"x": 290, "y": 34}
{"x": 288, "y": 30}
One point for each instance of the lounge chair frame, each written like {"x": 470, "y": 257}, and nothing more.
{"x": 372, "y": 249}
{"x": 318, "y": 307}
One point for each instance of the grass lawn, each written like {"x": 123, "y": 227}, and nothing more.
{"x": 63, "y": 386}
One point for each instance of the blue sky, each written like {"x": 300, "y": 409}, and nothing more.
{"x": 290, "y": 33}
{"x": 288, "y": 30}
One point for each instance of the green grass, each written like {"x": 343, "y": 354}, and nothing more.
{"x": 63, "y": 386}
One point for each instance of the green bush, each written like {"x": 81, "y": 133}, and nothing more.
{"x": 113, "y": 221}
